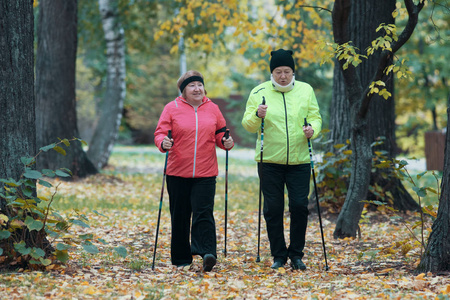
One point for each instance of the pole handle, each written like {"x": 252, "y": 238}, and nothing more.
{"x": 169, "y": 134}
{"x": 306, "y": 123}
{"x": 227, "y": 134}
{"x": 264, "y": 101}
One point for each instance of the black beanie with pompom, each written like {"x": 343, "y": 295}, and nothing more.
{"x": 281, "y": 58}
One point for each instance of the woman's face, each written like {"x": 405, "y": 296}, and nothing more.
{"x": 283, "y": 75}
{"x": 194, "y": 91}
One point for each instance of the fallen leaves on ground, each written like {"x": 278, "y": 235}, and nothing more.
{"x": 236, "y": 276}
{"x": 380, "y": 265}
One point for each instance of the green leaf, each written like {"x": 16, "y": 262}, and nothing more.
{"x": 27, "y": 160}
{"x": 48, "y": 147}
{"x": 87, "y": 236}
{"x": 22, "y": 248}
{"x": 28, "y": 192}
{"x": 83, "y": 142}
{"x": 90, "y": 248}
{"x": 421, "y": 192}
{"x": 45, "y": 261}
{"x": 420, "y": 175}
{"x": 1, "y": 251}
{"x": 37, "y": 253}
{"x": 33, "y": 224}
{"x": 100, "y": 214}
{"x": 66, "y": 142}
{"x": 45, "y": 183}
{"x": 4, "y": 234}
{"x": 80, "y": 223}
{"x": 60, "y": 150}
{"x": 103, "y": 241}
{"x": 61, "y": 173}
{"x": 62, "y": 255}
{"x": 122, "y": 251}
{"x": 35, "y": 262}
{"x": 10, "y": 182}
{"x": 32, "y": 174}
{"x": 67, "y": 170}
{"x": 48, "y": 173}
{"x": 62, "y": 247}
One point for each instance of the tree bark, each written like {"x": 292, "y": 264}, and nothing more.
{"x": 107, "y": 129}
{"x": 17, "y": 100}
{"x": 364, "y": 18}
{"x": 357, "y": 90}
{"x": 55, "y": 86}
{"x": 436, "y": 257}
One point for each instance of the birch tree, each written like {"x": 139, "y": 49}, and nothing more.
{"x": 107, "y": 128}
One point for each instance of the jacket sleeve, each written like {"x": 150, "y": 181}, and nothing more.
{"x": 163, "y": 127}
{"x": 250, "y": 121}
{"x": 314, "y": 117}
{"x": 220, "y": 130}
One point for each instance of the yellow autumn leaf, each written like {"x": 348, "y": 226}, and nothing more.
{"x": 3, "y": 219}
{"x": 91, "y": 290}
{"x": 420, "y": 276}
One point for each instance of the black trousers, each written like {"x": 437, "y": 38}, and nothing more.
{"x": 192, "y": 197}
{"x": 296, "y": 178}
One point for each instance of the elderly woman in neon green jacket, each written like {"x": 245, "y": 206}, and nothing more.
{"x": 286, "y": 161}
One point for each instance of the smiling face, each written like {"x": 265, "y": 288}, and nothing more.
{"x": 282, "y": 75}
{"x": 194, "y": 91}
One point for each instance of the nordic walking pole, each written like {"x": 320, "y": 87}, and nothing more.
{"x": 169, "y": 135}
{"x": 317, "y": 200}
{"x": 260, "y": 183}
{"x": 227, "y": 135}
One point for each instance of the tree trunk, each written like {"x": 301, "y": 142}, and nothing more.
{"x": 107, "y": 129}
{"x": 348, "y": 219}
{"x": 17, "y": 101}
{"x": 436, "y": 257}
{"x": 360, "y": 100}
{"x": 364, "y": 18}
{"x": 55, "y": 86}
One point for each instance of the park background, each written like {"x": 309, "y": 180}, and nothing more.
{"x": 104, "y": 71}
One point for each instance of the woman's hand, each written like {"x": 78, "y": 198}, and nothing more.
{"x": 308, "y": 131}
{"x": 167, "y": 143}
{"x": 262, "y": 109}
{"x": 228, "y": 143}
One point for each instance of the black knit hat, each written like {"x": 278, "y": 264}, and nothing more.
{"x": 281, "y": 58}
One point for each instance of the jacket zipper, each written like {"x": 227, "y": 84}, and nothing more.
{"x": 287, "y": 130}
{"x": 196, "y": 140}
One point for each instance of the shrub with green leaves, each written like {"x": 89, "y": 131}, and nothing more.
{"x": 32, "y": 233}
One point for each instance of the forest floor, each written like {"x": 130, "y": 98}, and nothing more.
{"x": 122, "y": 211}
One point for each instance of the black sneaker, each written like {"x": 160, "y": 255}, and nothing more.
{"x": 209, "y": 262}
{"x": 297, "y": 264}
{"x": 277, "y": 264}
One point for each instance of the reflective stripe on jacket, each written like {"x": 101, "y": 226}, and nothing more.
{"x": 195, "y": 134}
{"x": 284, "y": 140}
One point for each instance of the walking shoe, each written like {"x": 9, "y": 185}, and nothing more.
{"x": 183, "y": 265}
{"x": 209, "y": 261}
{"x": 297, "y": 264}
{"x": 277, "y": 264}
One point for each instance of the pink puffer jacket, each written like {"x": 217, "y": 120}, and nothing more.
{"x": 195, "y": 133}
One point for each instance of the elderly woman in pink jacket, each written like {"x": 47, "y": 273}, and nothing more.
{"x": 197, "y": 127}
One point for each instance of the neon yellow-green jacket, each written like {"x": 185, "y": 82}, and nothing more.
{"x": 284, "y": 140}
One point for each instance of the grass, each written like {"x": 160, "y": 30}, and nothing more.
{"x": 133, "y": 180}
